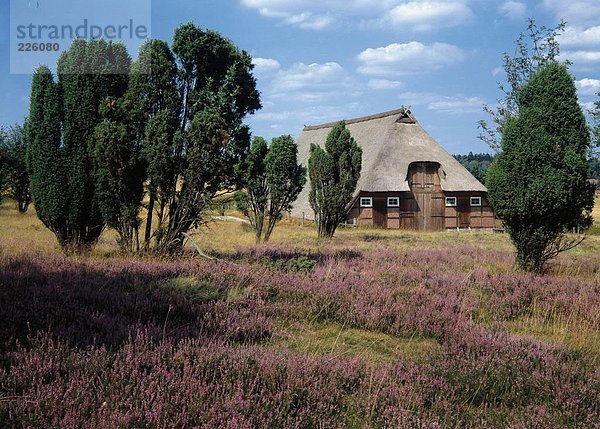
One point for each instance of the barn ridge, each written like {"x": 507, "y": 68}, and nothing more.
{"x": 404, "y": 112}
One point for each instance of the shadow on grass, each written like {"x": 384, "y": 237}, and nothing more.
{"x": 104, "y": 305}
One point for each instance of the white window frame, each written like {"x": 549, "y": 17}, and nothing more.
{"x": 366, "y": 202}
{"x": 395, "y": 204}
{"x": 451, "y": 201}
{"x": 475, "y": 204}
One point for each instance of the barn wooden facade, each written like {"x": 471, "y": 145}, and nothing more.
{"x": 408, "y": 180}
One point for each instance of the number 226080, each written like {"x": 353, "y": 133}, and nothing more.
{"x": 38, "y": 47}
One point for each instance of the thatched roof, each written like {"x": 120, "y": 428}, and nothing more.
{"x": 390, "y": 141}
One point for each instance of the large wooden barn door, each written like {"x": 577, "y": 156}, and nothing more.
{"x": 426, "y": 188}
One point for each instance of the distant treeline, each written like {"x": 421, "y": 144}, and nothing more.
{"x": 478, "y": 164}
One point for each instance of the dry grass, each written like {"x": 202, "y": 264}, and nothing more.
{"x": 226, "y": 237}
{"x": 334, "y": 339}
{"x": 21, "y": 233}
{"x": 574, "y": 332}
{"x": 25, "y": 233}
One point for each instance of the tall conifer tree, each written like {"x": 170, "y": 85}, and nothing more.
{"x": 538, "y": 183}
{"x": 45, "y": 155}
{"x": 62, "y": 121}
{"x": 89, "y": 72}
{"x": 334, "y": 173}
{"x": 272, "y": 179}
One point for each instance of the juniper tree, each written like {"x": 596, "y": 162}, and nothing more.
{"x": 63, "y": 117}
{"x": 538, "y": 183}
{"x": 88, "y": 72}
{"x": 153, "y": 102}
{"x": 187, "y": 105}
{"x": 253, "y": 200}
{"x": 334, "y": 173}
{"x": 203, "y": 173}
{"x": 273, "y": 180}
{"x": 596, "y": 123}
{"x": 285, "y": 178}
{"x": 119, "y": 175}
{"x": 130, "y": 148}
{"x": 216, "y": 92}
{"x": 45, "y": 155}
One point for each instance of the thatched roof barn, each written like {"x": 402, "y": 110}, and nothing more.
{"x": 407, "y": 180}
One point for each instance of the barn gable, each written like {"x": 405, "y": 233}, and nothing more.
{"x": 391, "y": 142}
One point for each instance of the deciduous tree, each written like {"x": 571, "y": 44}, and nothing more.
{"x": 534, "y": 49}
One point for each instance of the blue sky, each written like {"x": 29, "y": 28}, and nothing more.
{"x": 319, "y": 61}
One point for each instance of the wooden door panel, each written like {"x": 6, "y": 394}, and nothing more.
{"x": 438, "y": 211}
{"x": 379, "y": 212}
{"x": 464, "y": 213}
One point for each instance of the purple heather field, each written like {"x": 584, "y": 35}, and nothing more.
{"x": 146, "y": 343}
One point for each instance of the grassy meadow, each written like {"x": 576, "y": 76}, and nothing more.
{"x": 373, "y": 329}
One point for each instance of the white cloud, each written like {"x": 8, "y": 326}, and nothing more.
{"x": 583, "y": 46}
{"x": 384, "y": 84}
{"x": 272, "y": 116}
{"x": 417, "y": 98}
{"x": 305, "y": 94}
{"x": 428, "y": 15}
{"x": 513, "y": 9}
{"x": 574, "y": 36}
{"x": 312, "y": 14}
{"x": 405, "y": 58}
{"x": 309, "y": 77}
{"x": 320, "y": 14}
{"x": 457, "y": 105}
{"x": 309, "y": 21}
{"x": 581, "y": 57}
{"x": 575, "y": 12}
{"x": 265, "y": 65}
{"x": 291, "y": 121}
{"x": 301, "y": 86}
{"x": 588, "y": 86}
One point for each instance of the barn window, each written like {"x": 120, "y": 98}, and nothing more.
{"x": 450, "y": 201}
{"x": 366, "y": 202}
{"x": 475, "y": 201}
{"x": 393, "y": 202}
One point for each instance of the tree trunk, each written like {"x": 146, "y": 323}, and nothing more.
{"x": 148, "y": 232}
